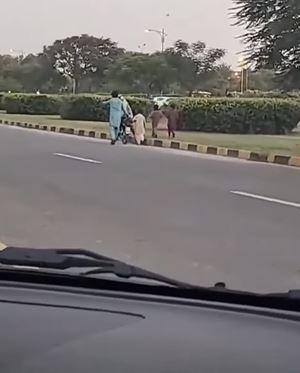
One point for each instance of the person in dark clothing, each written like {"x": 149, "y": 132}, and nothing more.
{"x": 173, "y": 119}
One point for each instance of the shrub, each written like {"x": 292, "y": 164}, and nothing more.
{"x": 2, "y": 101}
{"x": 84, "y": 107}
{"x": 141, "y": 105}
{"x": 239, "y": 115}
{"x": 90, "y": 107}
{"x": 264, "y": 94}
{"x": 32, "y": 104}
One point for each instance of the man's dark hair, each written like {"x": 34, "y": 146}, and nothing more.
{"x": 115, "y": 94}
{"x": 156, "y": 107}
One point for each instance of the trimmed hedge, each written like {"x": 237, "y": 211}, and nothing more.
{"x": 2, "y": 101}
{"x": 90, "y": 107}
{"x": 32, "y": 104}
{"x": 224, "y": 115}
{"x": 265, "y": 94}
{"x": 241, "y": 115}
{"x": 84, "y": 107}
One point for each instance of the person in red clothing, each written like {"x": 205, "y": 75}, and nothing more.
{"x": 173, "y": 119}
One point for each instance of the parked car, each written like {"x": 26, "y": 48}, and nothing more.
{"x": 162, "y": 101}
{"x": 201, "y": 94}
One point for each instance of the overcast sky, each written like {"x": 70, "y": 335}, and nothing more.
{"x": 29, "y": 24}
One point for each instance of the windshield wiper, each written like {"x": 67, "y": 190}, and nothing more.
{"x": 62, "y": 259}
{"x": 30, "y": 262}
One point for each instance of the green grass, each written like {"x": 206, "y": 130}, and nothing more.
{"x": 258, "y": 143}
{"x": 289, "y": 144}
{"x": 53, "y": 120}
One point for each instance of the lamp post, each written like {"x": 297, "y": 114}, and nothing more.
{"x": 244, "y": 75}
{"x": 162, "y": 34}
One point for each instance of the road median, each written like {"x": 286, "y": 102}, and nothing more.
{"x": 280, "y": 159}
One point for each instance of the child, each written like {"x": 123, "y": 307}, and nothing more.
{"x": 156, "y": 116}
{"x": 139, "y": 128}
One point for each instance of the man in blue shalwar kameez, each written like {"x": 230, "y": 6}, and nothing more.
{"x": 116, "y": 112}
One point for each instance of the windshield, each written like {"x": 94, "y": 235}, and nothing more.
{"x": 194, "y": 175}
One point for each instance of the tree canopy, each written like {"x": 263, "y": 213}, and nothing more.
{"x": 142, "y": 72}
{"x": 77, "y": 56}
{"x": 94, "y": 64}
{"x": 193, "y": 62}
{"x": 272, "y": 35}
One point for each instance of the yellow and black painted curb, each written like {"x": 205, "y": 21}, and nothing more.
{"x": 179, "y": 145}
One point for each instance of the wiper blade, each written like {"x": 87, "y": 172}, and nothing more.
{"x": 62, "y": 259}
{"x": 127, "y": 271}
{"x": 50, "y": 258}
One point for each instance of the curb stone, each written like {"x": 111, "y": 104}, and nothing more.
{"x": 173, "y": 144}
{"x": 213, "y": 150}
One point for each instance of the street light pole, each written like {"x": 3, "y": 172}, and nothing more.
{"x": 163, "y": 40}
{"x": 163, "y": 35}
{"x": 244, "y": 74}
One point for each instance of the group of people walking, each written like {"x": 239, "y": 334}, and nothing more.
{"x": 121, "y": 113}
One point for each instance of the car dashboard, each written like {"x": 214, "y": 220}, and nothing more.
{"x": 60, "y": 329}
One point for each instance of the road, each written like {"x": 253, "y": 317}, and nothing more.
{"x": 169, "y": 211}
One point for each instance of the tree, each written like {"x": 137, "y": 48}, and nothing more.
{"x": 218, "y": 80}
{"x": 137, "y": 72}
{"x": 8, "y": 82}
{"x": 78, "y": 56}
{"x": 35, "y": 73}
{"x": 193, "y": 62}
{"x": 6, "y": 61}
{"x": 263, "y": 80}
{"x": 272, "y": 36}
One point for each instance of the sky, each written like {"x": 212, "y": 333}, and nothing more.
{"x": 28, "y": 25}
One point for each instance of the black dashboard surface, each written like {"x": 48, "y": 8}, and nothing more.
{"x": 48, "y": 331}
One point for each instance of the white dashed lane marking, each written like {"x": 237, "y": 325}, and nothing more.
{"x": 266, "y": 199}
{"x": 76, "y": 158}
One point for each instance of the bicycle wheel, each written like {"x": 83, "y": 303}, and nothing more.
{"x": 124, "y": 139}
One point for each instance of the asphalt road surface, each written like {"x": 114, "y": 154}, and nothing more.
{"x": 169, "y": 211}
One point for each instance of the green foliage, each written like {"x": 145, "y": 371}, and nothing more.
{"x": 10, "y": 84}
{"x": 89, "y": 64}
{"x": 272, "y": 35}
{"x": 78, "y": 56}
{"x": 259, "y": 116}
{"x": 2, "y": 101}
{"x": 91, "y": 107}
{"x": 224, "y": 115}
{"x": 142, "y": 73}
{"x": 264, "y": 94}
{"x": 268, "y": 94}
{"x": 84, "y": 107}
{"x": 140, "y": 105}
{"x": 32, "y": 104}
{"x": 216, "y": 81}
{"x": 263, "y": 80}
{"x": 33, "y": 73}
{"x": 194, "y": 62}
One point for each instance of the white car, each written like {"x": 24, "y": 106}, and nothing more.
{"x": 162, "y": 101}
